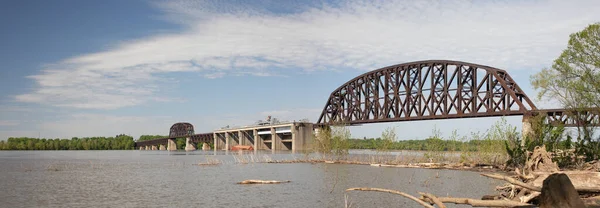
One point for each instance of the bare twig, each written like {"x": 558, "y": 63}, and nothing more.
{"x": 425, "y": 204}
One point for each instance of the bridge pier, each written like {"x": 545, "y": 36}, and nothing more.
{"x": 141, "y": 148}
{"x": 147, "y": 147}
{"x": 189, "y": 146}
{"x": 527, "y": 130}
{"x": 227, "y": 141}
{"x": 276, "y": 143}
{"x": 205, "y": 146}
{"x": 154, "y": 147}
{"x": 162, "y": 147}
{"x": 171, "y": 145}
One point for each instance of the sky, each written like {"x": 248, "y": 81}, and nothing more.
{"x": 101, "y": 68}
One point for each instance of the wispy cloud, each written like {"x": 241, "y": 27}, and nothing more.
{"x": 223, "y": 39}
{"x": 8, "y": 123}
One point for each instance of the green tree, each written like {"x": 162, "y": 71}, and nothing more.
{"x": 574, "y": 78}
{"x": 574, "y": 81}
{"x": 388, "y": 137}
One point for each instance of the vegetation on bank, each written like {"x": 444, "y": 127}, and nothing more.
{"x": 119, "y": 142}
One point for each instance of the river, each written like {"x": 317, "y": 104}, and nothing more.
{"x": 171, "y": 179}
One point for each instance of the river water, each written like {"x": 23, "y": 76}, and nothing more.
{"x": 171, "y": 179}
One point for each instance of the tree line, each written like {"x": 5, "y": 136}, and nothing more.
{"x": 118, "y": 142}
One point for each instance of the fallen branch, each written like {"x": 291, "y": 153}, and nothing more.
{"x": 482, "y": 203}
{"x": 592, "y": 201}
{"x": 433, "y": 198}
{"x": 513, "y": 181}
{"x": 261, "y": 182}
{"x": 529, "y": 197}
{"x": 425, "y": 204}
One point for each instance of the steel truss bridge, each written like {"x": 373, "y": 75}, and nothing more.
{"x": 423, "y": 90}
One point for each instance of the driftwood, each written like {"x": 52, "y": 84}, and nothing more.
{"x": 583, "y": 181}
{"x": 261, "y": 182}
{"x": 482, "y": 203}
{"x": 425, "y": 204}
{"x": 513, "y": 181}
{"x": 428, "y": 199}
{"x": 433, "y": 198}
{"x": 558, "y": 191}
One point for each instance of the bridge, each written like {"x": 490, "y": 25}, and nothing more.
{"x": 424, "y": 90}
{"x": 178, "y": 130}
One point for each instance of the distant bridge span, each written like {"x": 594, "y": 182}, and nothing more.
{"x": 437, "y": 89}
{"x": 178, "y": 130}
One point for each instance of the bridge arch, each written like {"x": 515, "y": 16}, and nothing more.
{"x": 181, "y": 129}
{"x": 423, "y": 90}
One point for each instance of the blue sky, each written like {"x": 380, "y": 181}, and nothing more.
{"x": 101, "y": 68}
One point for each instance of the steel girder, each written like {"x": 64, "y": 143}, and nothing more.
{"x": 423, "y": 90}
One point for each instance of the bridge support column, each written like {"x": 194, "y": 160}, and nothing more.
{"x": 216, "y": 141}
{"x": 154, "y": 147}
{"x": 205, "y": 146}
{"x": 189, "y": 145}
{"x": 276, "y": 143}
{"x": 141, "y": 148}
{"x": 162, "y": 147}
{"x": 527, "y": 130}
{"x": 257, "y": 140}
{"x": 241, "y": 138}
{"x": 295, "y": 142}
{"x": 227, "y": 141}
{"x": 171, "y": 145}
{"x": 147, "y": 147}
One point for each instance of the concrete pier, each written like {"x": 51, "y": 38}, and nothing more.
{"x": 171, "y": 145}
{"x": 205, "y": 146}
{"x": 147, "y": 147}
{"x": 162, "y": 147}
{"x": 189, "y": 146}
{"x": 141, "y": 148}
{"x": 283, "y": 136}
{"x": 527, "y": 130}
{"x": 154, "y": 147}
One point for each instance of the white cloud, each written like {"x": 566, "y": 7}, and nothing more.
{"x": 221, "y": 39}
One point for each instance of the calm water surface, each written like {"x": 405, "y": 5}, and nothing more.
{"x": 170, "y": 179}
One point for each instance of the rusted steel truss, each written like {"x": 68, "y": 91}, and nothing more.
{"x": 423, "y": 90}
{"x": 571, "y": 118}
{"x": 179, "y": 130}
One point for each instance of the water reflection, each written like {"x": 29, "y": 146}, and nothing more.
{"x": 171, "y": 179}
